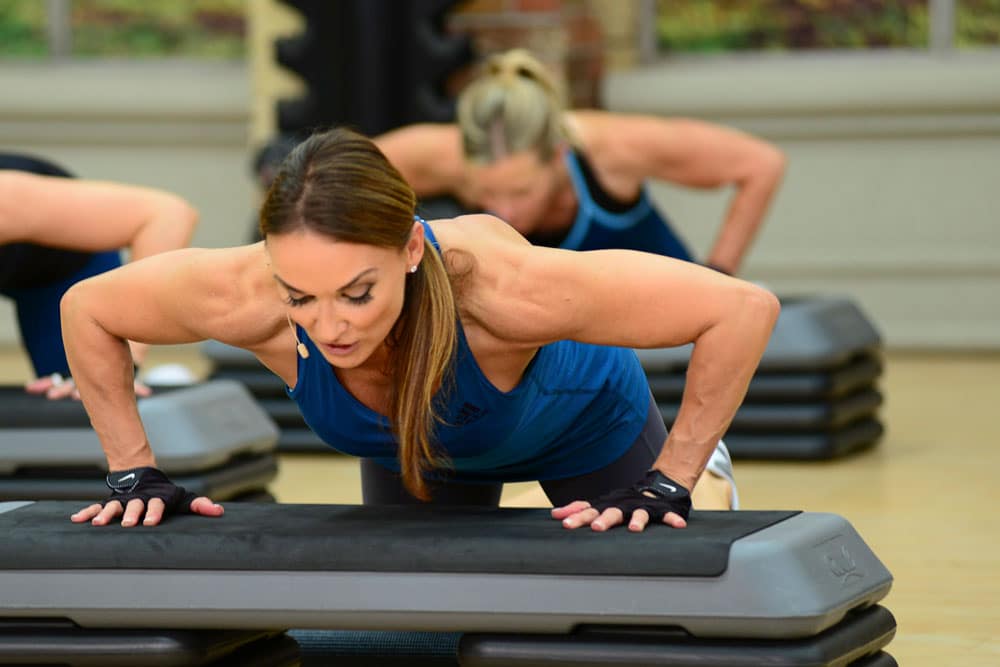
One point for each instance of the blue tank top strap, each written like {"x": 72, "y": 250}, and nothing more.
{"x": 588, "y": 211}
{"x": 641, "y": 227}
{"x": 429, "y": 233}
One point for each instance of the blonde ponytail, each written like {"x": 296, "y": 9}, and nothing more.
{"x": 515, "y": 105}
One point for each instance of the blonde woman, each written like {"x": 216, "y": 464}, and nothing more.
{"x": 56, "y": 231}
{"x": 451, "y": 355}
{"x": 577, "y": 179}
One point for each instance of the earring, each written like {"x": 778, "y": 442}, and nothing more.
{"x": 300, "y": 347}
{"x": 413, "y": 269}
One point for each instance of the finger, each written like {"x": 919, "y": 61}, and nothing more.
{"x": 57, "y": 392}
{"x": 205, "y": 507}
{"x": 133, "y": 511}
{"x": 674, "y": 520}
{"x": 609, "y": 518}
{"x": 567, "y": 510}
{"x": 581, "y": 518}
{"x": 39, "y": 385}
{"x": 110, "y": 511}
{"x": 86, "y": 514}
{"x": 639, "y": 520}
{"x": 142, "y": 391}
{"x": 154, "y": 512}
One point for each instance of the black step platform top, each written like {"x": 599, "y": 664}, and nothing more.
{"x": 19, "y": 409}
{"x": 262, "y": 537}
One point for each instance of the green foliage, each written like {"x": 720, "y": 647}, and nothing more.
{"x": 22, "y": 28}
{"x": 130, "y": 28}
{"x": 977, "y": 23}
{"x": 735, "y": 25}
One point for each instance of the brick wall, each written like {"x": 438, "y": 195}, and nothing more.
{"x": 563, "y": 34}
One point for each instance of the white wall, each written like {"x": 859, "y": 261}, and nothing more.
{"x": 892, "y": 193}
{"x": 180, "y": 126}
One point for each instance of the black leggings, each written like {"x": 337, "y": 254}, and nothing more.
{"x": 380, "y": 486}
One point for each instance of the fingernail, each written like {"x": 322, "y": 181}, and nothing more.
{"x": 127, "y": 522}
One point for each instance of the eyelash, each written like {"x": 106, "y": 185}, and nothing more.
{"x": 356, "y": 300}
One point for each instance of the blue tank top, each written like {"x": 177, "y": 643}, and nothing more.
{"x": 577, "y": 408}
{"x": 639, "y": 228}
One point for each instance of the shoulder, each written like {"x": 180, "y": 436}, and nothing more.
{"x": 485, "y": 240}
{"x": 427, "y": 140}
{"x": 428, "y": 155}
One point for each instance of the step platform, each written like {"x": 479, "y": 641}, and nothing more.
{"x": 785, "y": 587}
{"x": 213, "y": 439}
{"x": 235, "y": 364}
{"x": 814, "y": 394}
{"x": 812, "y": 334}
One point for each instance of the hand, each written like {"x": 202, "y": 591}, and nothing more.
{"x": 56, "y": 387}
{"x": 148, "y": 491}
{"x": 655, "y": 497}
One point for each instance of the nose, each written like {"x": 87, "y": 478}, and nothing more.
{"x": 330, "y": 324}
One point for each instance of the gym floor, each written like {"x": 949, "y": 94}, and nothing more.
{"x": 925, "y": 499}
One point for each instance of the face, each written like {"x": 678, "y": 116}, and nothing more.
{"x": 519, "y": 188}
{"x": 347, "y": 296}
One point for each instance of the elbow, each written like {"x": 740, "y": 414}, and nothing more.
{"x": 761, "y": 307}
{"x": 773, "y": 163}
{"x": 74, "y": 305}
{"x": 186, "y": 217}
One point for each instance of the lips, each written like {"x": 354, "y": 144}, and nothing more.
{"x": 340, "y": 350}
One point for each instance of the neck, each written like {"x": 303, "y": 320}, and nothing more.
{"x": 563, "y": 205}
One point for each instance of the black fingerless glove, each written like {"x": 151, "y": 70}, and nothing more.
{"x": 145, "y": 484}
{"x": 656, "y": 493}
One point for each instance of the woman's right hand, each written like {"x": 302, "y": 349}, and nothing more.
{"x": 144, "y": 493}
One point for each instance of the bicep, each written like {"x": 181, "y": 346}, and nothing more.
{"x": 81, "y": 215}
{"x": 691, "y": 153}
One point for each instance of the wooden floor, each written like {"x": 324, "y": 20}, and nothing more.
{"x": 926, "y": 499}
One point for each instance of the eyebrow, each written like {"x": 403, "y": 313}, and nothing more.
{"x": 353, "y": 280}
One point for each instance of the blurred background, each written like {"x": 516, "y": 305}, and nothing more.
{"x": 888, "y": 111}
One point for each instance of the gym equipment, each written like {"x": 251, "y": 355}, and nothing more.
{"x": 233, "y": 363}
{"x": 212, "y": 438}
{"x": 778, "y": 587}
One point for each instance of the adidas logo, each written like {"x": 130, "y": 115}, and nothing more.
{"x": 468, "y": 413}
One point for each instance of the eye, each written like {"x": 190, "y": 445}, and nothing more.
{"x": 360, "y": 299}
{"x": 295, "y": 302}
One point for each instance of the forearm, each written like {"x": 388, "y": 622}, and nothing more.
{"x": 724, "y": 359}
{"x": 746, "y": 213}
{"x": 101, "y": 365}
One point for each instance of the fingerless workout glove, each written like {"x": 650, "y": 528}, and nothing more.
{"x": 655, "y": 492}
{"x": 145, "y": 484}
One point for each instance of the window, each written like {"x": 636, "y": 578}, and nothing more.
{"x": 719, "y": 26}
{"x": 977, "y": 23}
{"x": 122, "y": 28}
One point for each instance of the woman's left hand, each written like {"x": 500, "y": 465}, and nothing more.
{"x": 655, "y": 497}
{"x": 55, "y": 388}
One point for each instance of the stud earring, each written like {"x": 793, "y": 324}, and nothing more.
{"x": 413, "y": 269}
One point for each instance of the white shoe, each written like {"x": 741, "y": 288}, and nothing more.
{"x": 721, "y": 465}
